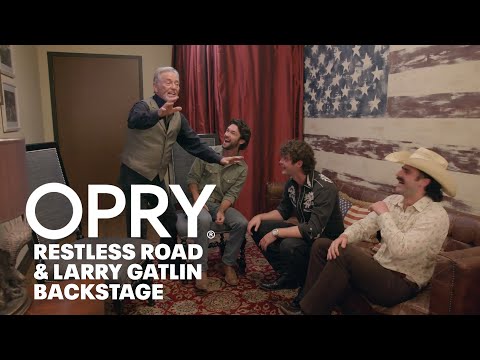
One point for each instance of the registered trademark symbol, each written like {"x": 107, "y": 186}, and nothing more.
{"x": 210, "y": 234}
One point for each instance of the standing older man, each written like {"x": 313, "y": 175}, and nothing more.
{"x": 154, "y": 124}
{"x": 413, "y": 226}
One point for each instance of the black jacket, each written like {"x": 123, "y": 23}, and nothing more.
{"x": 316, "y": 206}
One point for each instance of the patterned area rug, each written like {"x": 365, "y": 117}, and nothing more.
{"x": 244, "y": 299}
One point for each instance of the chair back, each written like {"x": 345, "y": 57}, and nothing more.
{"x": 182, "y": 161}
{"x": 44, "y": 165}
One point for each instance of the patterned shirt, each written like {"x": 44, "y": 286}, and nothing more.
{"x": 316, "y": 206}
{"x": 411, "y": 238}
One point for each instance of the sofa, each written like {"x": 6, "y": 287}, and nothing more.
{"x": 455, "y": 285}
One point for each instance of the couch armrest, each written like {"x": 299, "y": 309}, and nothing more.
{"x": 455, "y": 283}
{"x": 274, "y": 195}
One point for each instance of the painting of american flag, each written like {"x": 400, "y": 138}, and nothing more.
{"x": 345, "y": 80}
{"x": 362, "y": 102}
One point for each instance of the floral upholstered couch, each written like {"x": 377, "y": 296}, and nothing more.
{"x": 455, "y": 285}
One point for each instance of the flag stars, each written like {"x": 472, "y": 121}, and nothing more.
{"x": 321, "y": 58}
{"x": 374, "y": 103}
{"x": 346, "y": 80}
{"x": 328, "y": 93}
{"x": 355, "y": 76}
{"x": 336, "y": 104}
{"x": 336, "y": 80}
{"x": 377, "y": 73}
{"x": 307, "y": 84}
{"x": 305, "y": 109}
{"x": 356, "y": 50}
{"x": 354, "y": 104}
{"x": 364, "y": 89}
{"x": 329, "y": 67}
{"x": 337, "y": 53}
{"x": 367, "y": 62}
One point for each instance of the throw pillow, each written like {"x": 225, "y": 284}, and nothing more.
{"x": 361, "y": 203}
{"x": 354, "y": 214}
{"x": 344, "y": 206}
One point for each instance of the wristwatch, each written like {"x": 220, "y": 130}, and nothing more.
{"x": 275, "y": 232}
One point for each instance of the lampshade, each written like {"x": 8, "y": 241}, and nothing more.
{"x": 13, "y": 179}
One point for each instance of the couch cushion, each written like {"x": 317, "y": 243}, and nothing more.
{"x": 419, "y": 305}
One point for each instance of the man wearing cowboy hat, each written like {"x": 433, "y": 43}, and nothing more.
{"x": 413, "y": 226}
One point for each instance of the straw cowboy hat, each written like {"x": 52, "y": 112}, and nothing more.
{"x": 430, "y": 163}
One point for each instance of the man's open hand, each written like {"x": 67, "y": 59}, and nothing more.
{"x": 168, "y": 109}
{"x": 231, "y": 160}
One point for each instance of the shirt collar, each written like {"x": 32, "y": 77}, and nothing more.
{"x": 420, "y": 205}
{"x": 219, "y": 150}
{"x": 309, "y": 180}
{"x": 160, "y": 102}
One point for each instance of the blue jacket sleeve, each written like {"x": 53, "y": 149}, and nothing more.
{"x": 191, "y": 142}
{"x": 141, "y": 117}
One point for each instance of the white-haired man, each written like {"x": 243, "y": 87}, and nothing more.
{"x": 413, "y": 227}
{"x": 154, "y": 125}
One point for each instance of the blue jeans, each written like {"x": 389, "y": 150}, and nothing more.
{"x": 234, "y": 221}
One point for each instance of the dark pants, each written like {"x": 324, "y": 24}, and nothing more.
{"x": 288, "y": 256}
{"x": 168, "y": 219}
{"x": 330, "y": 281}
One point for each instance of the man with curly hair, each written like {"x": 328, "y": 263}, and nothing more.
{"x": 313, "y": 198}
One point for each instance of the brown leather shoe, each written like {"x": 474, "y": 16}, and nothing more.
{"x": 290, "y": 309}
{"x": 230, "y": 275}
{"x": 202, "y": 284}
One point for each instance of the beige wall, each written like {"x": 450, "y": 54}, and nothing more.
{"x": 153, "y": 56}
{"x": 27, "y": 83}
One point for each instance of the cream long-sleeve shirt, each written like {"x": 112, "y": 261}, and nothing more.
{"x": 411, "y": 238}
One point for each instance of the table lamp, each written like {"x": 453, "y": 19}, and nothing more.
{"x": 14, "y": 231}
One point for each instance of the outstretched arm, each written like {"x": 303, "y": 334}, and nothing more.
{"x": 191, "y": 142}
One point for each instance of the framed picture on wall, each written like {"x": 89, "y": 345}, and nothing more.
{"x": 6, "y": 60}
{"x": 11, "y": 121}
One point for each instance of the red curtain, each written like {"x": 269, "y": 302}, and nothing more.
{"x": 261, "y": 84}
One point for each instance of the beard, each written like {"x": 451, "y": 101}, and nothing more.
{"x": 229, "y": 146}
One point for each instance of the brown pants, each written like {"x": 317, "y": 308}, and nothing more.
{"x": 329, "y": 281}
